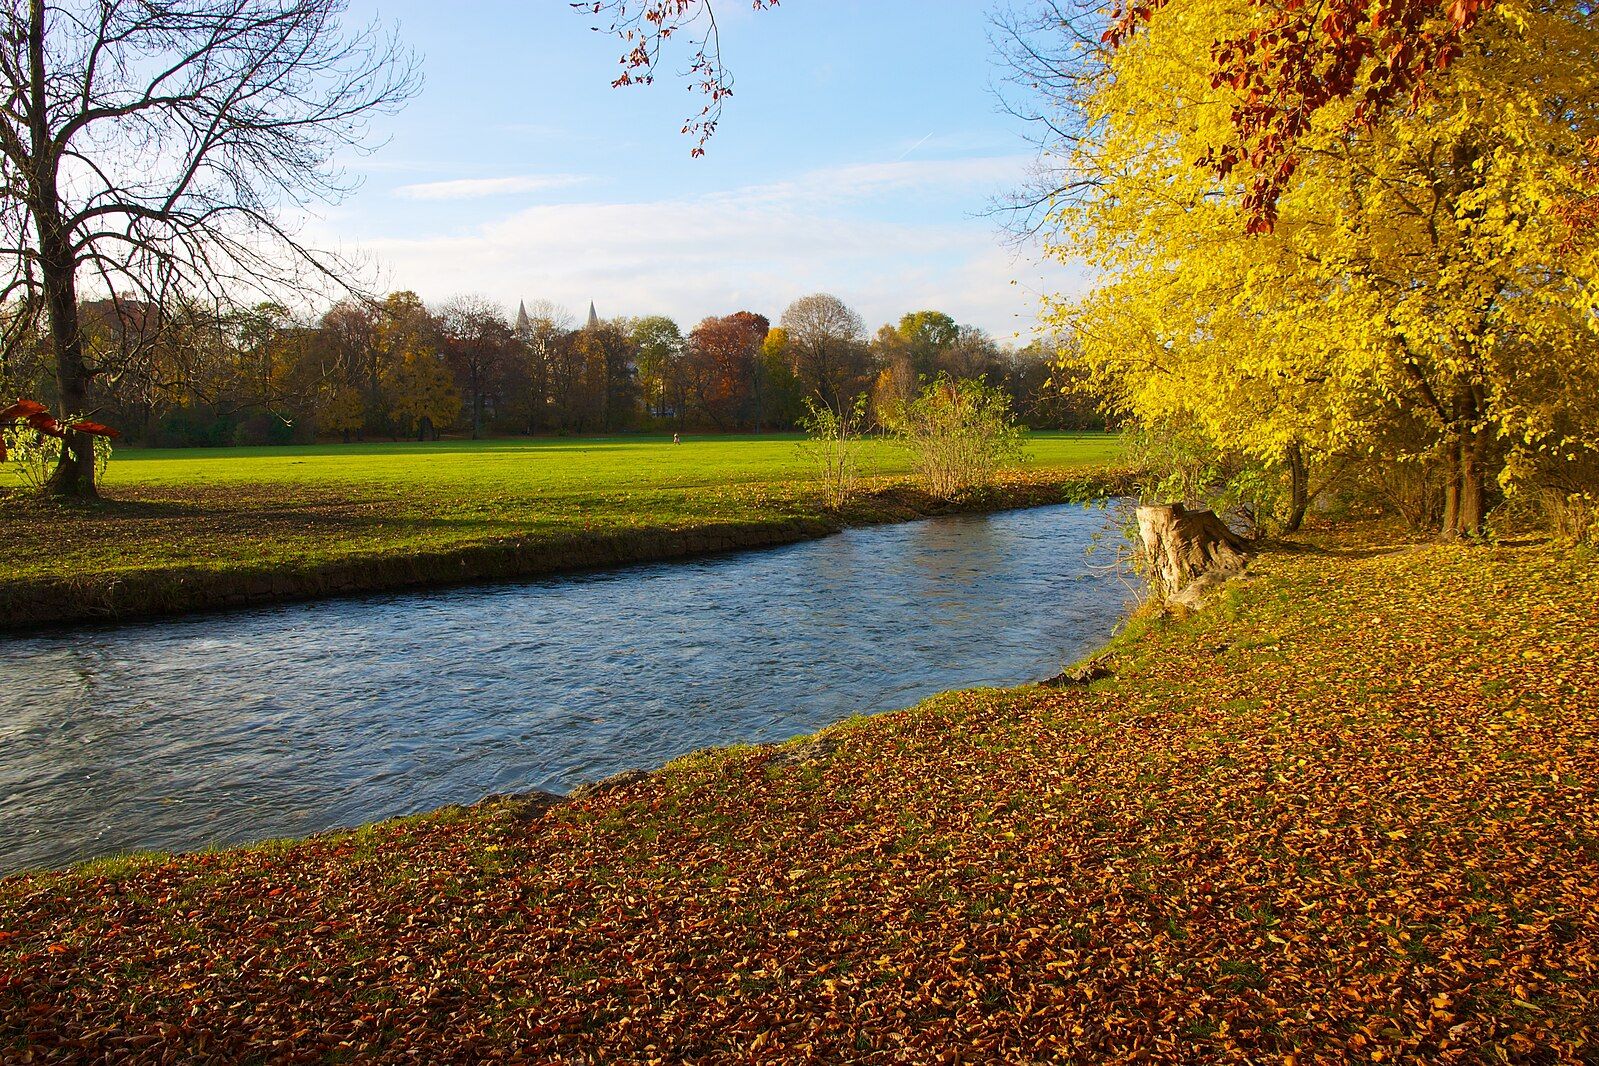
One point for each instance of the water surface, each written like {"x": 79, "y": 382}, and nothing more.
{"x": 287, "y": 720}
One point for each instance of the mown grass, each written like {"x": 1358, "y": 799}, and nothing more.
{"x": 1350, "y": 814}
{"x": 221, "y": 509}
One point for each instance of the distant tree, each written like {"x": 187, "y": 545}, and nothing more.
{"x": 546, "y": 345}
{"x": 424, "y": 392}
{"x": 826, "y": 342}
{"x": 153, "y": 147}
{"x": 342, "y": 411}
{"x": 719, "y": 366}
{"x": 609, "y": 391}
{"x": 659, "y": 344}
{"x": 972, "y": 353}
{"x": 925, "y": 336}
{"x": 406, "y": 346}
{"x": 480, "y": 348}
{"x": 779, "y": 397}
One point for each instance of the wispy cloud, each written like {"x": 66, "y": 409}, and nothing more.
{"x": 480, "y": 188}
{"x": 885, "y": 237}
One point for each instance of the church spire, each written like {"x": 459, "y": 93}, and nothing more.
{"x": 594, "y": 318}
{"x": 524, "y": 324}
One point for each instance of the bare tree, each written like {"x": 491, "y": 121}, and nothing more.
{"x": 478, "y": 342}
{"x": 827, "y": 341}
{"x": 154, "y": 150}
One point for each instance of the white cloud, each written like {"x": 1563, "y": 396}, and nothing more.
{"x": 478, "y": 188}
{"x": 885, "y": 237}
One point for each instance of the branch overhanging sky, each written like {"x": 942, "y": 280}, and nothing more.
{"x": 858, "y": 156}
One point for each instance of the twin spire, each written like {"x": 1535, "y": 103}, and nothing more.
{"x": 524, "y": 324}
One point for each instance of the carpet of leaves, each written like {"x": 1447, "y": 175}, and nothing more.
{"x": 1349, "y": 814}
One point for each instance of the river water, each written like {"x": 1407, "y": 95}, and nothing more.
{"x": 288, "y": 720}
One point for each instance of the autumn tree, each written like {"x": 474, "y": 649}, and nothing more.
{"x": 608, "y": 391}
{"x": 827, "y": 349}
{"x": 659, "y": 344}
{"x": 149, "y": 150}
{"x": 1416, "y": 303}
{"x": 924, "y": 337}
{"x": 424, "y": 393}
{"x": 719, "y": 366}
{"x": 544, "y": 335}
{"x": 346, "y": 341}
{"x": 408, "y": 344}
{"x": 779, "y": 396}
{"x": 480, "y": 348}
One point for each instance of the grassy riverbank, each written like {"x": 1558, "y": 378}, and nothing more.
{"x": 186, "y": 530}
{"x": 1350, "y": 814}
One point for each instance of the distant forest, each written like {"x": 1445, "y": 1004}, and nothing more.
{"x": 398, "y": 368}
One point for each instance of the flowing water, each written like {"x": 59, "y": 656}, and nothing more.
{"x": 288, "y": 720}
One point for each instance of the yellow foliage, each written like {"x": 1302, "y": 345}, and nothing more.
{"x": 1421, "y": 275}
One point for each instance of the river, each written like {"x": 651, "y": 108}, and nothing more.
{"x": 288, "y": 720}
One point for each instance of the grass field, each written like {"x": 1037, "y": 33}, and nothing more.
{"x": 1350, "y": 814}
{"x": 301, "y": 506}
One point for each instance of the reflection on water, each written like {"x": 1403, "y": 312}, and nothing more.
{"x": 288, "y": 720}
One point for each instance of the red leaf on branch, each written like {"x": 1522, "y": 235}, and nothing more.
{"x": 22, "y": 409}
{"x": 45, "y": 424}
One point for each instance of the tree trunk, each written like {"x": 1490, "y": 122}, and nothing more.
{"x": 1183, "y": 547}
{"x": 1298, "y": 488}
{"x": 1473, "y": 493}
{"x": 74, "y": 472}
{"x": 1465, "y": 491}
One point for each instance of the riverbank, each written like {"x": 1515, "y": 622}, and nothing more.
{"x": 1349, "y": 813}
{"x": 192, "y": 534}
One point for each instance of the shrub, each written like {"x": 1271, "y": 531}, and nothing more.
{"x": 33, "y": 455}
{"x": 1181, "y": 465}
{"x": 1567, "y": 487}
{"x": 831, "y": 442}
{"x": 961, "y": 434}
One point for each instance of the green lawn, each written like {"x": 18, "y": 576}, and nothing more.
{"x": 291, "y": 507}
{"x": 539, "y": 468}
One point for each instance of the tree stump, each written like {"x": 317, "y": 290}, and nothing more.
{"x": 1189, "y": 552}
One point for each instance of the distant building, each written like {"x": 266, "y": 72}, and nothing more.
{"x": 524, "y": 323}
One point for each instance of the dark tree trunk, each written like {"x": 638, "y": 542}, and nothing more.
{"x": 477, "y": 403}
{"x": 74, "y": 472}
{"x": 1298, "y": 488}
{"x": 1465, "y": 487}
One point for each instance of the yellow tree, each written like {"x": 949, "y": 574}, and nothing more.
{"x": 341, "y": 410}
{"x": 424, "y": 393}
{"x": 420, "y": 388}
{"x": 1421, "y": 296}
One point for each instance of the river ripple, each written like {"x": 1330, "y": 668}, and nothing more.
{"x": 288, "y": 720}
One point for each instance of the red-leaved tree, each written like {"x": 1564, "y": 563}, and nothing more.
{"x": 1305, "y": 56}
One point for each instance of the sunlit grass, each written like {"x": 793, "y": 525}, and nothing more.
{"x": 271, "y": 508}
{"x": 544, "y": 467}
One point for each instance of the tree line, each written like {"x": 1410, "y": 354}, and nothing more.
{"x": 398, "y": 368}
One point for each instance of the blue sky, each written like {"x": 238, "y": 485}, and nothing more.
{"x": 857, "y": 156}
